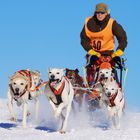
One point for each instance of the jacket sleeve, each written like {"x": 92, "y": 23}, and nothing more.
{"x": 85, "y": 41}
{"x": 120, "y": 34}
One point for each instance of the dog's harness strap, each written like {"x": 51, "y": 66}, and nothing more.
{"x": 20, "y": 94}
{"x": 58, "y": 98}
{"x": 59, "y": 91}
{"x": 112, "y": 100}
{"x": 24, "y": 91}
{"x": 39, "y": 86}
{"x": 26, "y": 73}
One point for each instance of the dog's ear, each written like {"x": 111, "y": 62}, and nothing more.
{"x": 66, "y": 69}
{"x": 37, "y": 72}
{"x": 76, "y": 70}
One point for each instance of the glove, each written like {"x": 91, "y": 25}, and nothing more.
{"x": 91, "y": 61}
{"x": 117, "y": 53}
{"x": 92, "y": 52}
{"x": 117, "y": 61}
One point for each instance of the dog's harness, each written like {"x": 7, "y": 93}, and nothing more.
{"x": 111, "y": 100}
{"x": 26, "y": 73}
{"x": 41, "y": 83}
{"x": 58, "y": 92}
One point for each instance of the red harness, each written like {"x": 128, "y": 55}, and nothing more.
{"x": 26, "y": 73}
{"x": 59, "y": 91}
{"x": 112, "y": 100}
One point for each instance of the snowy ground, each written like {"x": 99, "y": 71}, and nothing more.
{"x": 81, "y": 126}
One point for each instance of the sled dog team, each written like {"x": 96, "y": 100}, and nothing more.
{"x": 61, "y": 92}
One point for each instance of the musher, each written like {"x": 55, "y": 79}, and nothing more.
{"x": 98, "y": 38}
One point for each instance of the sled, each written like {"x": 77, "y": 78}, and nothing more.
{"x": 91, "y": 78}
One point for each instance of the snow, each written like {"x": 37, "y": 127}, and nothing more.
{"x": 81, "y": 126}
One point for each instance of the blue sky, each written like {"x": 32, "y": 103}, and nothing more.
{"x": 39, "y": 34}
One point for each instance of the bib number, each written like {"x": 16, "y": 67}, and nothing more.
{"x": 96, "y": 45}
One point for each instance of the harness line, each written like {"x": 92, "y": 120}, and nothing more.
{"x": 39, "y": 86}
{"x": 84, "y": 71}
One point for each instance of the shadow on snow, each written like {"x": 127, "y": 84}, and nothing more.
{"x": 7, "y": 125}
{"x": 44, "y": 128}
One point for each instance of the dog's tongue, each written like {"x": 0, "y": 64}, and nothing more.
{"x": 53, "y": 83}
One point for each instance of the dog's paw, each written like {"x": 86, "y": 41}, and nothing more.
{"x": 28, "y": 114}
{"x": 62, "y": 131}
{"x": 117, "y": 127}
{"x": 13, "y": 119}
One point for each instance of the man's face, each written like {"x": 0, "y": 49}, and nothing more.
{"x": 101, "y": 15}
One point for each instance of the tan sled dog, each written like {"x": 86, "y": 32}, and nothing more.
{"x": 21, "y": 88}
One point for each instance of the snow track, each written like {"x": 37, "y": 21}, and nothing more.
{"x": 83, "y": 125}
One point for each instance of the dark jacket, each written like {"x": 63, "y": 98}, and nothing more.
{"x": 95, "y": 26}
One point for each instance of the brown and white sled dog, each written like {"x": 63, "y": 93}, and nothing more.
{"x": 77, "y": 82}
{"x": 59, "y": 92}
{"x": 113, "y": 97}
{"x": 21, "y": 88}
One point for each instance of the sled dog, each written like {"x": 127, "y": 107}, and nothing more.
{"x": 59, "y": 92}
{"x": 105, "y": 72}
{"x": 21, "y": 89}
{"x": 95, "y": 98}
{"x": 114, "y": 100}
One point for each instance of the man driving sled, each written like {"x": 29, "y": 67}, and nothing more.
{"x": 97, "y": 38}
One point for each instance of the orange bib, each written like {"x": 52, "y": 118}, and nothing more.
{"x": 103, "y": 40}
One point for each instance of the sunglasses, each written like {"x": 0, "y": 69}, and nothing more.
{"x": 100, "y": 13}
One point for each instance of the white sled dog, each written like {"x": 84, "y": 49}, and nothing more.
{"x": 105, "y": 72}
{"x": 60, "y": 93}
{"x": 22, "y": 85}
{"x": 113, "y": 97}
{"x": 105, "y": 75}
